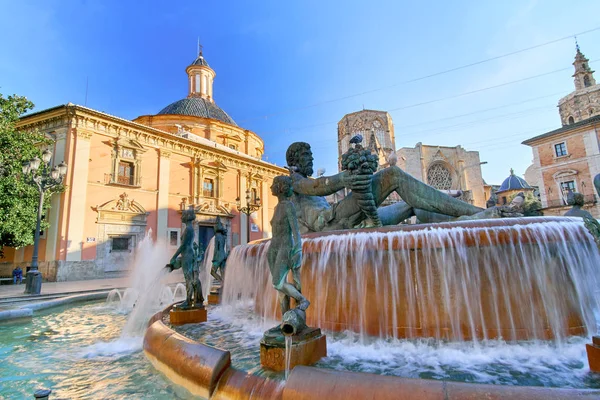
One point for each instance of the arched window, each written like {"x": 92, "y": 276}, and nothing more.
{"x": 571, "y": 120}
{"x": 439, "y": 177}
{"x": 586, "y": 81}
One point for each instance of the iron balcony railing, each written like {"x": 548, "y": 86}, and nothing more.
{"x": 587, "y": 199}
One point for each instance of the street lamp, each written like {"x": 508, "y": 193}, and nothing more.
{"x": 44, "y": 178}
{"x": 248, "y": 209}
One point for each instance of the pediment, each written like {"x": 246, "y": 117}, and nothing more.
{"x": 121, "y": 211}
{"x": 210, "y": 208}
{"x": 439, "y": 156}
{"x": 564, "y": 173}
{"x": 235, "y": 138}
{"x": 132, "y": 143}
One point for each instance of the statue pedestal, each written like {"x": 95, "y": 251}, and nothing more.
{"x": 178, "y": 316}
{"x": 593, "y": 354}
{"x": 214, "y": 298}
{"x": 308, "y": 347}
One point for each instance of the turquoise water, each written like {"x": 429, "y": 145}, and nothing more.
{"x": 76, "y": 351}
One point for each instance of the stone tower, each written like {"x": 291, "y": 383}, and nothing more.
{"x": 584, "y": 76}
{"x": 376, "y": 128}
{"x": 584, "y": 102}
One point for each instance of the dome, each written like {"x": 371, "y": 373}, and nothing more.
{"x": 513, "y": 182}
{"x": 197, "y": 107}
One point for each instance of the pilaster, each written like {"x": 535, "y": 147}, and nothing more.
{"x": 52, "y": 234}
{"x": 162, "y": 203}
{"x": 243, "y": 217}
{"x": 264, "y": 199}
{"x": 78, "y": 191}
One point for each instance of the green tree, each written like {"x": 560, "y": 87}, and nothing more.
{"x": 18, "y": 197}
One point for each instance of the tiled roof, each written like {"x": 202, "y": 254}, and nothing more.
{"x": 565, "y": 128}
{"x": 513, "y": 182}
{"x": 200, "y": 61}
{"x": 197, "y": 107}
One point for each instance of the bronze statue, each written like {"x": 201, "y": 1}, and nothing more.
{"x": 220, "y": 252}
{"x": 285, "y": 249}
{"x": 188, "y": 261}
{"x": 315, "y": 214}
{"x": 576, "y": 200}
{"x": 359, "y": 161}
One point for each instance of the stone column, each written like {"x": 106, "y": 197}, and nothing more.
{"x": 78, "y": 194}
{"x": 264, "y": 197}
{"x": 162, "y": 201}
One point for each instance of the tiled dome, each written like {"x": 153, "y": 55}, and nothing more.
{"x": 513, "y": 182}
{"x": 197, "y": 107}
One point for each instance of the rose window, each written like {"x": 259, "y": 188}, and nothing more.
{"x": 439, "y": 177}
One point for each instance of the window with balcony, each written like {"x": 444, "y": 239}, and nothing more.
{"x": 126, "y": 165}
{"x": 560, "y": 149}
{"x": 208, "y": 188}
{"x": 126, "y": 173}
{"x": 567, "y": 186}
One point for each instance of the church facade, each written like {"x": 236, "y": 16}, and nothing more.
{"x": 449, "y": 169}
{"x": 567, "y": 159}
{"x": 130, "y": 179}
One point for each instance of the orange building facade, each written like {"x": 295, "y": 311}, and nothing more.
{"x": 568, "y": 158}
{"x": 129, "y": 179}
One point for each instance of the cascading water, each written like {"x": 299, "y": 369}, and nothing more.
{"x": 179, "y": 293}
{"x": 205, "y": 276}
{"x": 148, "y": 272}
{"x": 532, "y": 278}
{"x": 114, "y": 297}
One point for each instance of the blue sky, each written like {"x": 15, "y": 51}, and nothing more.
{"x": 283, "y": 66}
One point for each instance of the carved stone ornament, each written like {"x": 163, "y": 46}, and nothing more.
{"x": 121, "y": 211}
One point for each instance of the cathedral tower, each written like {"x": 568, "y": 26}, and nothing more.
{"x": 376, "y": 128}
{"x": 584, "y": 102}
{"x": 584, "y": 76}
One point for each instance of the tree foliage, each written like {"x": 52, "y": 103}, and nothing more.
{"x": 18, "y": 196}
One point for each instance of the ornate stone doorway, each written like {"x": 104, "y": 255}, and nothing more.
{"x": 121, "y": 226}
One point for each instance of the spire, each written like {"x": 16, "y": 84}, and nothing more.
{"x": 512, "y": 171}
{"x": 199, "y": 48}
{"x": 583, "y": 76}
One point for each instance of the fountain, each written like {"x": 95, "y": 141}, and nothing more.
{"x": 514, "y": 279}
{"x": 506, "y": 290}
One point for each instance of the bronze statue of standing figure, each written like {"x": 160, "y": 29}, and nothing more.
{"x": 220, "y": 252}
{"x": 188, "y": 261}
{"x": 285, "y": 249}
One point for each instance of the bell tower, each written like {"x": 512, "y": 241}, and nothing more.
{"x": 200, "y": 78}
{"x": 583, "y": 76}
{"x": 584, "y": 101}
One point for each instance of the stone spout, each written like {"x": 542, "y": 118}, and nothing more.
{"x": 294, "y": 321}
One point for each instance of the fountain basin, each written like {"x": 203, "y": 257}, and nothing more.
{"x": 514, "y": 279}
{"x": 218, "y": 380}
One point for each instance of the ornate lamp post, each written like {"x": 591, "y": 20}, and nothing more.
{"x": 248, "y": 209}
{"x": 44, "y": 178}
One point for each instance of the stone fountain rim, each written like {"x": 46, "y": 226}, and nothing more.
{"x": 224, "y": 381}
{"x": 469, "y": 224}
